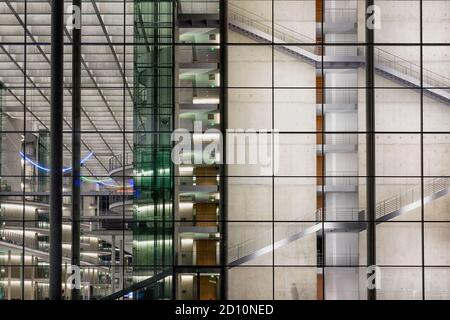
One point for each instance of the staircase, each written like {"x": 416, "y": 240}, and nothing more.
{"x": 385, "y": 210}
{"x": 142, "y": 285}
{"x": 387, "y": 65}
{"x": 303, "y": 48}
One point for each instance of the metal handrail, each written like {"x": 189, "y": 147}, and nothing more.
{"x": 339, "y": 15}
{"x": 18, "y": 239}
{"x": 350, "y": 213}
{"x": 344, "y": 96}
{"x": 268, "y": 235}
{"x": 341, "y": 138}
{"x": 341, "y": 178}
{"x": 383, "y": 208}
{"x": 195, "y": 53}
{"x": 198, "y": 6}
{"x": 395, "y": 203}
{"x": 382, "y": 57}
{"x": 117, "y": 161}
{"x": 280, "y": 32}
{"x": 430, "y": 78}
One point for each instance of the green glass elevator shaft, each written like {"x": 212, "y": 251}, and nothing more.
{"x": 153, "y": 124}
{"x": 2, "y": 102}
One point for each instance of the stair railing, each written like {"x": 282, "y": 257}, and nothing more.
{"x": 383, "y": 208}
{"x": 260, "y": 23}
{"x": 395, "y": 203}
{"x": 382, "y": 57}
{"x": 265, "y": 238}
{"x": 430, "y": 78}
{"x": 198, "y": 6}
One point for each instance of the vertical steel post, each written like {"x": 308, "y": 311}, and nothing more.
{"x": 370, "y": 129}
{"x": 56, "y": 138}
{"x": 76, "y": 143}
{"x": 223, "y": 127}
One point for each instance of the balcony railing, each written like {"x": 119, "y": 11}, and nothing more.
{"x": 117, "y": 162}
{"x": 198, "y": 6}
{"x": 192, "y": 54}
{"x": 341, "y": 138}
{"x": 341, "y": 96}
{"x": 341, "y": 178}
{"x": 341, "y": 15}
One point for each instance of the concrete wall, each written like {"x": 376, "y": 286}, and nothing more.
{"x": 399, "y": 155}
{"x": 251, "y": 194}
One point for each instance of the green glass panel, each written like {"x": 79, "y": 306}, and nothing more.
{"x": 153, "y": 112}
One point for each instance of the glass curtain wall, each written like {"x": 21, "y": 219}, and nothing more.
{"x": 153, "y": 124}
{"x": 298, "y": 230}
{"x": 292, "y": 226}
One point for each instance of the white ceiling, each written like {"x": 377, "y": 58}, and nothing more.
{"x": 107, "y": 74}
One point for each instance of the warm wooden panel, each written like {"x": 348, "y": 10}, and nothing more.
{"x": 320, "y": 202}
{"x": 319, "y": 287}
{"x": 319, "y": 90}
{"x": 319, "y": 10}
{"x": 319, "y": 47}
{"x": 206, "y": 176}
{"x": 319, "y": 129}
{"x": 208, "y": 288}
{"x": 320, "y": 169}
{"x": 206, "y": 214}
{"x": 206, "y": 252}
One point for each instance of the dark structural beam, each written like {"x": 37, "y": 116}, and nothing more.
{"x": 76, "y": 141}
{"x": 223, "y": 128}
{"x": 370, "y": 128}
{"x": 56, "y": 145}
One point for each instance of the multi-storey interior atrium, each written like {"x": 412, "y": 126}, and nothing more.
{"x": 346, "y": 101}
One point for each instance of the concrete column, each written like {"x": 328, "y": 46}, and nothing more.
{"x": 89, "y": 283}
{"x": 65, "y": 281}
{"x": 94, "y": 279}
{"x": 223, "y": 127}
{"x": 33, "y": 276}
{"x": 121, "y": 264}
{"x": 9, "y": 275}
{"x": 76, "y": 146}
{"x": 56, "y": 139}
{"x": 36, "y": 241}
{"x": 113, "y": 264}
{"x": 370, "y": 149}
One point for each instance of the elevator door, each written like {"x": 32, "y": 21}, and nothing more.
{"x": 206, "y": 252}
{"x": 208, "y": 288}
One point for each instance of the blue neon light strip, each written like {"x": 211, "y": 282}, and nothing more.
{"x": 102, "y": 182}
{"x": 37, "y": 165}
{"x": 106, "y": 182}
